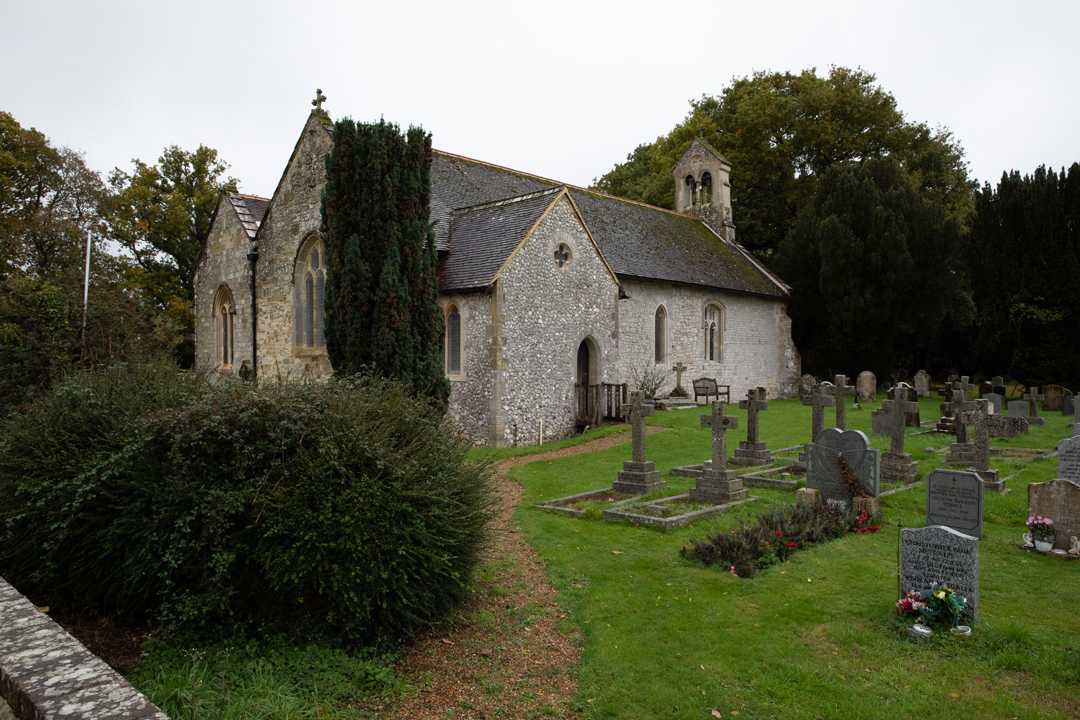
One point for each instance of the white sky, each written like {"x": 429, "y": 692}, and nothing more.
{"x": 559, "y": 89}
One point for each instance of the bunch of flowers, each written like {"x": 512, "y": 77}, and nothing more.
{"x": 1041, "y": 527}
{"x": 863, "y": 524}
{"x": 940, "y": 606}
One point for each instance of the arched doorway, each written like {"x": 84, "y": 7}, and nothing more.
{"x": 587, "y": 384}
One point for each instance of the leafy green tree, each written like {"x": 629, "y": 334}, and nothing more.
{"x": 382, "y": 312}
{"x": 874, "y": 266}
{"x": 161, "y": 214}
{"x": 782, "y": 132}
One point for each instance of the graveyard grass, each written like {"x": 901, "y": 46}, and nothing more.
{"x": 815, "y": 637}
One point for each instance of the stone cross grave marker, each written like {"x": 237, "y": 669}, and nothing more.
{"x": 1059, "y": 500}
{"x": 820, "y": 398}
{"x": 939, "y": 554}
{"x": 638, "y": 475}
{"x": 841, "y": 391}
{"x": 1069, "y": 459}
{"x": 679, "y": 369}
{"x": 979, "y": 419}
{"x": 752, "y": 451}
{"x": 835, "y": 451}
{"x": 954, "y": 498}
{"x": 717, "y": 484}
{"x": 1033, "y": 396}
{"x": 897, "y": 465}
{"x": 963, "y": 409}
{"x": 922, "y": 383}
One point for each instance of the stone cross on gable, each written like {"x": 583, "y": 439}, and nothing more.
{"x": 1033, "y": 397}
{"x": 901, "y": 406}
{"x": 319, "y": 99}
{"x": 720, "y": 424}
{"x": 840, "y": 391}
{"x": 754, "y": 403}
{"x": 639, "y": 410}
{"x": 679, "y": 369}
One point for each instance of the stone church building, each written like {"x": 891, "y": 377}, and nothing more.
{"x": 554, "y": 296}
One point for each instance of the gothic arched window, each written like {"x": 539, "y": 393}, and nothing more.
{"x": 224, "y": 325}
{"x": 714, "y": 332}
{"x": 706, "y": 189}
{"x": 660, "y": 334}
{"x": 453, "y": 340}
{"x": 309, "y": 293}
{"x": 691, "y": 191}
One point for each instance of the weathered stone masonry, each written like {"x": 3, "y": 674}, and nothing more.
{"x": 223, "y": 262}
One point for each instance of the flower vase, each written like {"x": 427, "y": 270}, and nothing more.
{"x": 1044, "y": 546}
{"x": 1027, "y": 540}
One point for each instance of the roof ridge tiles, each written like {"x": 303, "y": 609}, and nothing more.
{"x": 507, "y": 200}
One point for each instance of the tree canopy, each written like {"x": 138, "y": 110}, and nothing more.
{"x": 782, "y": 132}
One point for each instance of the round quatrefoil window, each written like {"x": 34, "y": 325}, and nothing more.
{"x": 562, "y": 255}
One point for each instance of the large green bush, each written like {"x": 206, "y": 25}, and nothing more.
{"x": 346, "y": 508}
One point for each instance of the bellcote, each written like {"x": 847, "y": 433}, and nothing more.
{"x": 703, "y": 187}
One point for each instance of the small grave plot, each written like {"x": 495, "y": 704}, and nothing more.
{"x": 671, "y": 512}
{"x": 591, "y": 503}
{"x": 784, "y": 477}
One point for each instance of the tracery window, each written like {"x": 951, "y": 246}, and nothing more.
{"x": 224, "y": 325}
{"x": 309, "y": 283}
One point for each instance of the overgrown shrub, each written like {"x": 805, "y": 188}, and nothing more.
{"x": 775, "y": 536}
{"x": 346, "y": 508}
{"x": 648, "y": 380}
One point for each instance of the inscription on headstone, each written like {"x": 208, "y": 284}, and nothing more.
{"x": 939, "y": 554}
{"x": 1069, "y": 459}
{"x": 954, "y": 498}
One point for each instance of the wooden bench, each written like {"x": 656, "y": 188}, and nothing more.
{"x": 708, "y": 387}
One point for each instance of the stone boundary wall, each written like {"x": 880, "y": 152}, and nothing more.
{"x": 45, "y": 673}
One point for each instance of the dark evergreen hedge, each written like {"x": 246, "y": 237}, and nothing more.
{"x": 345, "y": 509}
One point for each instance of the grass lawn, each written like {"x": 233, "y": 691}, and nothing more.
{"x": 814, "y": 637}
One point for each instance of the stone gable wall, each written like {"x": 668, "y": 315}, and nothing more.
{"x": 757, "y": 348}
{"x": 293, "y": 215}
{"x": 472, "y": 391}
{"x": 545, "y": 312}
{"x": 224, "y": 261}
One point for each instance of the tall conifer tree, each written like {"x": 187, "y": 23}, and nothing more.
{"x": 382, "y": 310}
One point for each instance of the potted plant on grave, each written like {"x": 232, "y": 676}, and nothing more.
{"x": 1042, "y": 532}
{"x": 939, "y": 607}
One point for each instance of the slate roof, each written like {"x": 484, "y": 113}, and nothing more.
{"x": 482, "y": 238}
{"x": 637, "y": 240}
{"x": 250, "y": 209}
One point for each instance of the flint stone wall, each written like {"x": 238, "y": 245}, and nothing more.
{"x": 472, "y": 390}
{"x": 292, "y": 217}
{"x": 223, "y": 262}
{"x": 543, "y": 313}
{"x": 46, "y": 673}
{"x": 756, "y": 349}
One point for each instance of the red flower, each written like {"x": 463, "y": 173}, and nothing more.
{"x": 778, "y": 532}
{"x": 873, "y": 528}
{"x": 791, "y": 544}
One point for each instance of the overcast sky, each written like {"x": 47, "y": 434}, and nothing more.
{"x": 563, "y": 90}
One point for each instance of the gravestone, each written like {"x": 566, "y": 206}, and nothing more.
{"x": 833, "y": 455}
{"x": 939, "y": 554}
{"x": 1068, "y": 406}
{"x": 879, "y": 419}
{"x": 954, "y": 498}
{"x": 898, "y": 466}
{"x": 1006, "y": 426}
{"x": 841, "y": 391}
{"x": 1033, "y": 396}
{"x": 995, "y": 401}
{"x": 752, "y": 451}
{"x": 679, "y": 390}
{"x": 866, "y": 386}
{"x": 1076, "y": 418}
{"x": 820, "y": 399}
{"x": 807, "y": 383}
{"x": 1019, "y": 408}
{"x": 963, "y": 450}
{"x": 979, "y": 419}
{"x": 1053, "y": 397}
{"x": 1059, "y": 500}
{"x": 1068, "y": 451}
{"x": 717, "y": 484}
{"x": 638, "y": 474}
{"x": 997, "y": 384}
{"x": 922, "y": 383}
